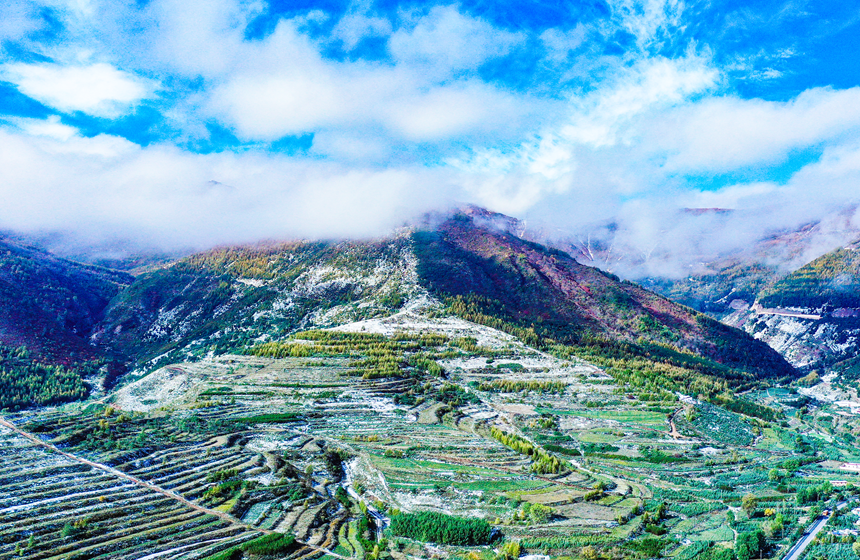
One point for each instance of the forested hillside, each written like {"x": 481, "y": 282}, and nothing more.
{"x": 496, "y": 277}
{"x": 51, "y": 305}
{"x": 832, "y": 280}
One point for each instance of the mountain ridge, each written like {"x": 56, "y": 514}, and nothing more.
{"x": 471, "y": 261}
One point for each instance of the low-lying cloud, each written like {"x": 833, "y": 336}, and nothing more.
{"x": 323, "y": 124}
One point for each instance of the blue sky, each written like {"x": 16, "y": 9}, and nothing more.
{"x": 198, "y": 122}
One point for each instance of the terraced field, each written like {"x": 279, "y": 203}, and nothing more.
{"x": 350, "y": 429}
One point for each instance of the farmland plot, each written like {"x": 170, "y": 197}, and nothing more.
{"x": 330, "y": 434}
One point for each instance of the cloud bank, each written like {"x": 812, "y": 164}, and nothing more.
{"x": 193, "y": 123}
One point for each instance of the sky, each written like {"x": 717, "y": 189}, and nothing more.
{"x": 192, "y": 123}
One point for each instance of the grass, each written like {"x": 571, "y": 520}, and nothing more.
{"x": 597, "y": 436}
{"x": 635, "y": 417}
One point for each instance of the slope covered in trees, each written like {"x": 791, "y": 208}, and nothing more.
{"x": 492, "y": 276}
{"x": 225, "y": 297}
{"x": 51, "y": 305}
{"x": 25, "y": 382}
{"x": 830, "y": 280}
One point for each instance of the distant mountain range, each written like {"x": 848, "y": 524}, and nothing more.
{"x": 812, "y": 315}
{"x": 796, "y": 289}
{"x": 481, "y": 265}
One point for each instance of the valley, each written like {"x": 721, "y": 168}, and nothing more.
{"x": 417, "y": 412}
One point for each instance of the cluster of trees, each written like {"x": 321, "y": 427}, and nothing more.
{"x": 511, "y": 386}
{"x": 748, "y": 408}
{"x": 75, "y": 528}
{"x": 284, "y": 350}
{"x": 533, "y": 513}
{"x": 750, "y": 544}
{"x": 814, "y": 493}
{"x": 454, "y": 395}
{"x": 432, "y": 526}
{"x": 224, "y": 490}
{"x": 376, "y": 356}
{"x": 333, "y": 460}
{"x": 219, "y": 476}
{"x": 645, "y": 365}
{"x": 829, "y": 279}
{"x": 25, "y": 382}
{"x": 542, "y": 462}
{"x": 275, "y": 545}
{"x": 245, "y": 262}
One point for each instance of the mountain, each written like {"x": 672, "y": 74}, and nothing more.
{"x": 496, "y": 273}
{"x": 812, "y": 315}
{"x": 51, "y": 305}
{"x": 830, "y": 281}
{"x": 795, "y": 288}
{"x": 470, "y": 263}
{"x": 224, "y": 299}
{"x": 715, "y": 286}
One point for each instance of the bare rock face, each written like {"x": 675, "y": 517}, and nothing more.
{"x": 807, "y": 339}
{"x": 811, "y": 316}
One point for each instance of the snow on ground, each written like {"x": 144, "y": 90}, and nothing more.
{"x": 383, "y": 406}
{"x": 409, "y": 320}
{"x": 274, "y": 442}
{"x": 422, "y": 501}
{"x": 823, "y": 391}
{"x": 160, "y": 388}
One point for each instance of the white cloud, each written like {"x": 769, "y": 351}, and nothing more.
{"x": 627, "y": 139}
{"x": 559, "y": 44}
{"x": 161, "y": 193}
{"x": 603, "y": 117}
{"x": 450, "y": 110}
{"x": 17, "y": 19}
{"x": 196, "y": 37}
{"x": 287, "y": 87}
{"x": 354, "y": 27}
{"x": 602, "y": 120}
{"x": 732, "y": 197}
{"x": 50, "y": 127}
{"x": 98, "y": 89}
{"x": 445, "y": 40}
{"x": 649, "y": 20}
{"x": 724, "y": 133}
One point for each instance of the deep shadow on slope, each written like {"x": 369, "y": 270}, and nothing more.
{"x": 51, "y": 305}
{"x": 535, "y": 287}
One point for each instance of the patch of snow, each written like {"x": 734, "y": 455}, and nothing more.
{"x": 272, "y": 442}
{"x": 160, "y": 388}
{"x": 255, "y": 282}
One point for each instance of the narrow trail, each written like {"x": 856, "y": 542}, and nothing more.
{"x": 676, "y": 435}
{"x": 154, "y": 488}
